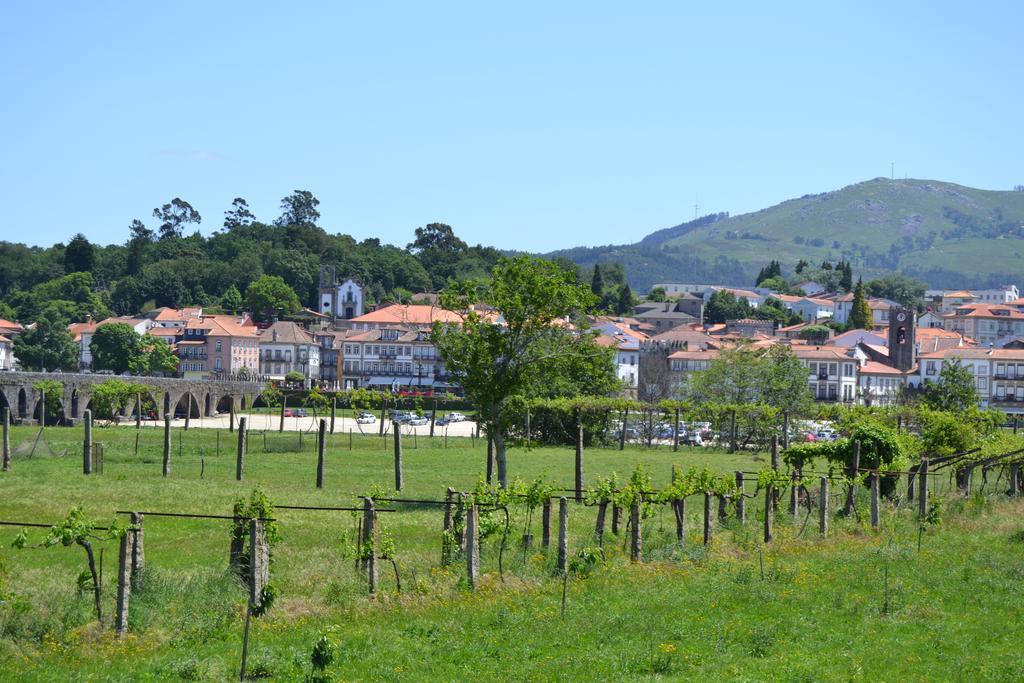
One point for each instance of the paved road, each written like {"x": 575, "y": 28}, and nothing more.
{"x": 265, "y": 421}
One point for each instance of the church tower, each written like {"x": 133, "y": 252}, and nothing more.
{"x": 902, "y": 337}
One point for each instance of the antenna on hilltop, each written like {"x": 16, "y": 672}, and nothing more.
{"x": 892, "y": 170}
{"x": 695, "y": 206}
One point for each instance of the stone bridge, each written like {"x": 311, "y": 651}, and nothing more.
{"x": 190, "y": 397}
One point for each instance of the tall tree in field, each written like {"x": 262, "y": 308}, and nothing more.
{"x": 846, "y": 280}
{"x": 114, "y": 346}
{"x": 79, "y": 255}
{"x": 522, "y": 346}
{"x": 860, "y": 311}
{"x": 48, "y": 345}
{"x": 597, "y": 282}
{"x": 174, "y": 216}
{"x": 624, "y": 302}
{"x": 299, "y": 208}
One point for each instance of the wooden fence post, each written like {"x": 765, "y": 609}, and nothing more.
{"x": 823, "y": 506}
{"x": 370, "y": 544}
{"x": 785, "y": 429}
{"x": 875, "y": 512}
{"x": 922, "y": 497}
{"x": 579, "y": 460}
{"x": 320, "y": 444}
{"x": 775, "y": 470}
{"x": 616, "y": 518}
{"x": 1014, "y": 480}
{"x": 6, "y": 464}
{"x": 138, "y": 411}
{"x": 167, "y": 444}
{"x": 446, "y": 536}
{"x": 851, "y": 489}
{"x": 769, "y": 501}
{"x": 188, "y": 410}
{"x": 622, "y": 441}
{"x": 708, "y": 521}
{"x": 732, "y": 432}
{"x": 334, "y": 410}
{"x": 794, "y": 494}
{"x": 433, "y": 419}
{"x": 602, "y": 512}
{"x": 284, "y": 402}
{"x": 124, "y": 585}
{"x": 240, "y": 452}
{"x": 490, "y": 459}
{"x": 546, "y": 523}
{"x": 563, "y": 536}
{"x": 679, "y": 509}
{"x": 741, "y": 502}
{"x": 473, "y": 546}
{"x": 398, "y": 456}
{"x": 87, "y": 443}
{"x": 231, "y": 415}
{"x": 675, "y": 433}
{"x": 636, "y": 519}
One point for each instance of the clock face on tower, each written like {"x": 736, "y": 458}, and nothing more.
{"x": 901, "y": 316}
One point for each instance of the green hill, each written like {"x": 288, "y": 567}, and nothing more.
{"x": 945, "y": 234}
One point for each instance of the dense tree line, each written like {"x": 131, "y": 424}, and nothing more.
{"x": 164, "y": 264}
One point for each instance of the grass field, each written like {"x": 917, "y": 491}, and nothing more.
{"x": 804, "y": 608}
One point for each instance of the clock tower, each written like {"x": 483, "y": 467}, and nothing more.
{"x": 902, "y": 338}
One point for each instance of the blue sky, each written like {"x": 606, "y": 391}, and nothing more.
{"x": 526, "y": 125}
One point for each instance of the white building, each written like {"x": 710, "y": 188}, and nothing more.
{"x": 343, "y": 299}
{"x": 392, "y": 359}
{"x": 6, "y": 353}
{"x": 832, "y": 372}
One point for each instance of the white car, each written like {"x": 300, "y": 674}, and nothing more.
{"x": 456, "y": 417}
{"x": 366, "y": 419}
{"x": 418, "y": 421}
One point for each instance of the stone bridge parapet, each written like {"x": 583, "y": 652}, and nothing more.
{"x": 204, "y": 396}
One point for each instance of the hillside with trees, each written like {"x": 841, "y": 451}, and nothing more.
{"x": 943, "y": 234}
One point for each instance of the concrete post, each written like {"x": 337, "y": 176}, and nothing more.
{"x": 636, "y": 520}
{"x": 1014, "y": 480}
{"x": 138, "y": 559}
{"x": 240, "y": 451}
{"x": 473, "y": 546}
{"x": 875, "y": 512}
{"x": 124, "y": 585}
{"x": 167, "y": 444}
{"x": 320, "y": 443}
{"x": 616, "y": 518}
{"x": 6, "y": 463}
{"x": 563, "y": 536}
{"x": 823, "y": 506}
{"x": 741, "y": 502}
{"x": 398, "y": 456}
{"x": 87, "y": 443}
{"x": 259, "y": 561}
{"x": 708, "y": 519}
{"x": 579, "y": 460}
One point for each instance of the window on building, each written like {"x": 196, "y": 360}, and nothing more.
{"x": 219, "y": 346}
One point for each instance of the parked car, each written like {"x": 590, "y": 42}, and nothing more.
{"x": 665, "y": 431}
{"x": 295, "y": 412}
{"x": 456, "y": 417}
{"x": 418, "y": 421}
{"x": 365, "y": 418}
{"x": 443, "y": 421}
{"x": 691, "y": 439}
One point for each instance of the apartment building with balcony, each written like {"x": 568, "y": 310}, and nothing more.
{"x": 286, "y": 347}
{"x": 988, "y": 324}
{"x": 393, "y": 359}
{"x": 998, "y": 374}
{"x": 213, "y": 346}
{"x": 832, "y": 371}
